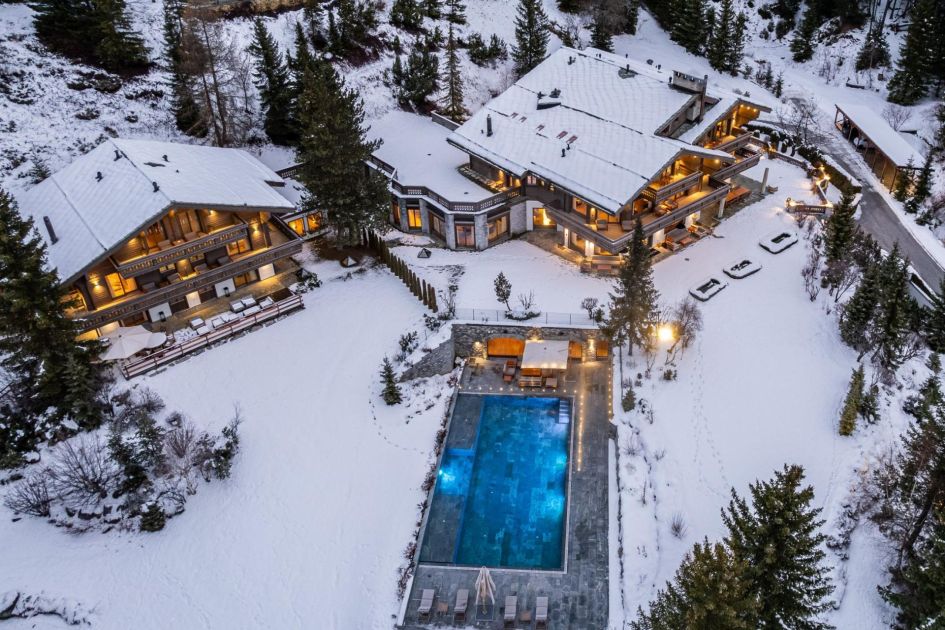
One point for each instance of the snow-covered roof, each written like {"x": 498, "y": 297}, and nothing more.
{"x": 605, "y": 123}
{"x": 99, "y": 200}
{"x": 416, "y": 147}
{"x": 887, "y": 139}
{"x": 712, "y": 115}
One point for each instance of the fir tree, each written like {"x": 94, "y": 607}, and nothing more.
{"x": 935, "y": 321}
{"x": 840, "y": 229}
{"x": 802, "y": 45}
{"x": 914, "y": 69}
{"x": 98, "y": 32}
{"x": 531, "y": 36}
{"x": 153, "y": 519}
{"x": 689, "y": 25}
{"x": 904, "y": 181}
{"x": 421, "y": 76}
{"x": 569, "y": 6}
{"x": 875, "y": 51}
{"x": 722, "y": 42}
{"x": 406, "y": 14}
{"x": 923, "y": 186}
{"x": 53, "y": 377}
{"x": 918, "y": 586}
{"x": 601, "y": 37}
{"x": 893, "y": 318}
{"x": 397, "y": 73}
{"x": 333, "y": 148}
{"x": 632, "y": 17}
{"x": 431, "y": 9}
{"x": 187, "y": 115}
{"x": 391, "y": 393}
{"x": 273, "y": 83}
{"x": 777, "y": 538}
{"x": 634, "y": 298}
{"x": 779, "y": 85}
{"x": 455, "y": 11}
{"x": 503, "y": 290}
{"x": 852, "y": 403}
{"x": 453, "y": 99}
{"x": 710, "y": 592}
{"x": 736, "y": 50}
{"x": 858, "y": 312}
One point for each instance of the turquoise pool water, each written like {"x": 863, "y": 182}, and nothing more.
{"x": 501, "y": 491}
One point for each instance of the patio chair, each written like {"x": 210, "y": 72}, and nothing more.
{"x": 541, "y": 612}
{"x": 216, "y": 322}
{"x": 266, "y": 302}
{"x": 462, "y": 601}
{"x": 249, "y": 301}
{"x": 551, "y": 382}
{"x": 511, "y": 610}
{"x": 197, "y": 322}
{"x": 252, "y": 310}
{"x": 236, "y": 306}
{"x": 426, "y": 604}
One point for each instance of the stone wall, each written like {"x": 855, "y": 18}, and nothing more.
{"x": 440, "y": 360}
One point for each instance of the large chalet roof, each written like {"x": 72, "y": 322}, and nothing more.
{"x": 98, "y": 201}
{"x": 603, "y": 116}
{"x": 887, "y": 139}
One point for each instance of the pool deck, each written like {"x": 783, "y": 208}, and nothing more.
{"x": 579, "y": 595}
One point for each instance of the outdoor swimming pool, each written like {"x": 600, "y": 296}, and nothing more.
{"x": 500, "y": 498}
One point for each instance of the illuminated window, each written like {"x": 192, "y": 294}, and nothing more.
{"x": 414, "y": 220}
{"x": 395, "y": 211}
{"x": 237, "y": 247}
{"x": 118, "y": 286}
{"x": 498, "y": 227}
{"x": 314, "y": 222}
{"x": 298, "y": 226}
{"x": 465, "y": 235}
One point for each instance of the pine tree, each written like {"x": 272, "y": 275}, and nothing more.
{"x": 918, "y": 586}
{"x": 153, "y": 519}
{"x": 852, "y": 403}
{"x": 858, "y": 312}
{"x": 503, "y": 290}
{"x": 455, "y": 11}
{"x": 875, "y": 51}
{"x": 569, "y": 6}
{"x": 406, "y": 14}
{"x": 779, "y": 85}
{"x": 391, "y": 393}
{"x": 689, "y": 25}
{"x": 634, "y": 298}
{"x": 454, "y": 108}
{"x": 777, "y": 538}
{"x": 904, "y": 181}
{"x": 531, "y": 36}
{"x": 397, "y": 73}
{"x": 53, "y": 377}
{"x": 431, "y": 9}
{"x": 98, "y": 32}
{"x": 893, "y": 317}
{"x": 840, "y": 229}
{"x": 940, "y": 130}
{"x": 736, "y": 50}
{"x": 632, "y": 17}
{"x": 710, "y": 592}
{"x": 923, "y": 186}
{"x": 914, "y": 71}
{"x": 333, "y": 148}
{"x": 721, "y": 43}
{"x": 187, "y": 115}
{"x": 421, "y": 76}
{"x": 935, "y": 321}
{"x": 802, "y": 45}
{"x": 601, "y": 37}
{"x": 273, "y": 83}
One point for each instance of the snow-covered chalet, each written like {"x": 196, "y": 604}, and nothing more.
{"x": 584, "y": 144}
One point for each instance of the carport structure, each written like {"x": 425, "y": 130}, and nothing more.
{"x": 887, "y": 153}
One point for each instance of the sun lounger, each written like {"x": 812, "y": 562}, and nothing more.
{"x": 249, "y": 301}
{"x": 252, "y": 310}
{"x": 216, "y": 322}
{"x": 229, "y": 317}
{"x": 462, "y": 601}
{"x": 426, "y": 603}
{"x": 541, "y": 612}
{"x": 202, "y": 330}
{"x": 529, "y": 381}
{"x": 511, "y": 609}
{"x": 236, "y": 306}
{"x": 197, "y": 322}
{"x": 266, "y": 302}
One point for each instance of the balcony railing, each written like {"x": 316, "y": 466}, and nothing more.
{"x": 179, "y": 289}
{"x": 170, "y": 255}
{"x": 682, "y": 212}
{"x": 456, "y": 206}
{"x": 657, "y": 193}
{"x": 733, "y": 144}
{"x": 733, "y": 169}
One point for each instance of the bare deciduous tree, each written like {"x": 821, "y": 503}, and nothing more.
{"x": 687, "y": 321}
{"x": 82, "y": 472}
{"x": 801, "y": 119}
{"x": 31, "y": 495}
{"x": 526, "y": 301}
{"x": 896, "y": 115}
{"x": 811, "y": 274}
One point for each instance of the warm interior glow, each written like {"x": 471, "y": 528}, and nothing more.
{"x": 665, "y": 333}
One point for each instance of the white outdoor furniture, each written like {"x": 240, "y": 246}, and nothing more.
{"x": 462, "y": 601}
{"x": 237, "y": 306}
{"x": 216, "y": 322}
{"x": 741, "y": 268}
{"x": 541, "y": 612}
{"x": 197, "y": 322}
{"x": 707, "y": 288}
{"x": 249, "y": 301}
{"x": 266, "y": 302}
{"x": 252, "y": 310}
{"x": 777, "y": 242}
{"x": 511, "y": 609}
{"x": 202, "y": 330}
{"x": 426, "y": 603}
{"x": 229, "y": 317}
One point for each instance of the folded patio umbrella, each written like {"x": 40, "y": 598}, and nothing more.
{"x": 485, "y": 587}
{"x": 126, "y": 341}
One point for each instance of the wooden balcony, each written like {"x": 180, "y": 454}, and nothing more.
{"x": 143, "y": 300}
{"x": 743, "y": 164}
{"x": 143, "y": 264}
{"x": 730, "y": 143}
{"x": 664, "y": 188}
{"x": 488, "y": 203}
{"x": 654, "y": 221}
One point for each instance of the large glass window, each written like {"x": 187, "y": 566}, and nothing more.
{"x": 298, "y": 226}
{"x": 395, "y": 212}
{"x": 414, "y": 220}
{"x": 437, "y": 225}
{"x": 541, "y": 219}
{"x": 314, "y": 221}
{"x": 237, "y": 247}
{"x": 118, "y": 286}
{"x": 498, "y": 227}
{"x": 465, "y": 235}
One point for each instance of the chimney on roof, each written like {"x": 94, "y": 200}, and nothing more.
{"x": 156, "y": 187}
{"x": 489, "y": 125}
{"x": 98, "y": 176}
{"x": 49, "y": 228}
{"x": 165, "y": 157}
{"x": 117, "y": 155}
{"x": 563, "y": 151}
{"x": 570, "y": 60}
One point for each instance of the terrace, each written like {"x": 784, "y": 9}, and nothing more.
{"x": 574, "y": 576}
